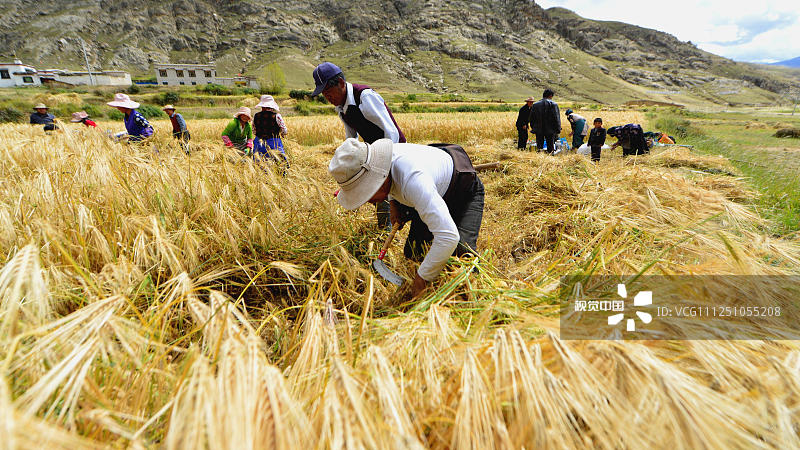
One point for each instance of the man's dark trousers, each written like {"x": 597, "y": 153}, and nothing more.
{"x": 522, "y": 140}
{"x": 551, "y": 142}
{"x": 468, "y": 221}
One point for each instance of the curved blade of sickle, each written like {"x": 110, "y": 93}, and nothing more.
{"x": 386, "y": 273}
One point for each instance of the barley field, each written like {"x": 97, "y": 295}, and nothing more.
{"x": 150, "y": 299}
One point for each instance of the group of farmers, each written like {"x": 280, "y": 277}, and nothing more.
{"x": 543, "y": 119}
{"x": 434, "y": 187}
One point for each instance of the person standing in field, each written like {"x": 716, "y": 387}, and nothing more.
{"x": 363, "y": 113}
{"x": 136, "y": 124}
{"x": 523, "y": 118}
{"x": 179, "y": 129}
{"x": 580, "y": 128}
{"x": 41, "y": 116}
{"x": 269, "y": 127}
{"x": 435, "y": 188}
{"x": 239, "y": 133}
{"x": 597, "y": 137}
{"x": 82, "y": 117}
{"x": 546, "y": 121}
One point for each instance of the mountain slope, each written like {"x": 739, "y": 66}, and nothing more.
{"x": 507, "y": 48}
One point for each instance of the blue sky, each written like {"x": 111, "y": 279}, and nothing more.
{"x": 755, "y": 31}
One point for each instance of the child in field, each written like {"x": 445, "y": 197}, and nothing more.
{"x": 239, "y": 133}
{"x": 597, "y": 137}
{"x": 82, "y": 117}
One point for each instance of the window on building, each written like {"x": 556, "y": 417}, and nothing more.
{"x": 208, "y": 73}
{"x": 208, "y": 82}
{"x": 4, "y": 74}
{"x": 164, "y": 82}
{"x": 194, "y": 82}
{"x": 162, "y": 73}
{"x": 191, "y": 74}
{"x": 182, "y": 83}
{"x": 179, "y": 73}
{"x": 27, "y": 79}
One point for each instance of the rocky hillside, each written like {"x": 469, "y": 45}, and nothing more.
{"x": 503, "y": 48}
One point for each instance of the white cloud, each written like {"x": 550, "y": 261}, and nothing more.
{"x": 758, "y": 31}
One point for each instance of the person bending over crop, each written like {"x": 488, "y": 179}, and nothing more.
{"x": 83, "y": 117}
{"x": 580, "y": 128}
{"x": 41, "y": 116}
{"x": 268, "y": 126}
{"x": 239, "y": 133}
{"x": 436, "y": 188}
{"x": 362, "y": 111}
{"x": 138, "y": 127}
{"x": 179, "y": 129}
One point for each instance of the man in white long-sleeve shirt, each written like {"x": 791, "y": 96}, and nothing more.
{"x": 362, "y": 111}
{"x": 435, "y": 188}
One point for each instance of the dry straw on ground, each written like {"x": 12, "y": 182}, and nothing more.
{"x": 150, "y": 299}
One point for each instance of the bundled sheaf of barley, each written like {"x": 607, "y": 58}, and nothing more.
{"x": 154, "y": 299}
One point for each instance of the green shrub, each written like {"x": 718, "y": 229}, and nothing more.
{"x": 150, "y": 111}
{"x": 303, "y": 108}
{"x": 116, "y": 115}
{"x": 168, "y": 98}
{"x": 299, "y": 94}
{"x": 11, "y": 114}
{"x": 134, "y": 89}
{"x": 93, "y": 110}
{"x": 217, "y": 89}
{"x": 468, "y": 108}
{"x": 411, "y": 97}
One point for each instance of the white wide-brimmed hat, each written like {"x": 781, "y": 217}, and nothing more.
{"x": 243, "y": 110}
{"x": 78, "y": 116}
{"x": 123, "y": 101}
{"x": 166, "y": 107}
{"x": 40, "y": 106}
{"x": 268, "y": 102}
{"x": 360, "y": 169}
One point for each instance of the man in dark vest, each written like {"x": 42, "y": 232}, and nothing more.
{"x": 362, "y": 111}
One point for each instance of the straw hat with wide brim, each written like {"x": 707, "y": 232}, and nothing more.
{"x": 40, "y": 106}
{"x": 360, "y": 169}
{"x": 268, "y": 102}
{"x": 244, "y": 110}
{"x": 78, "y": 116}
{"x": 123, "y": 101}
{"x": 530, "y": 99}
{"x": 166, "y": 107}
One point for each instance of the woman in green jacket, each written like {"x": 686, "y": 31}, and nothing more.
{"x": 239, "y": 133}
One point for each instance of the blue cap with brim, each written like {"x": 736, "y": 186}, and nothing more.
{"x": 324, "y": 73}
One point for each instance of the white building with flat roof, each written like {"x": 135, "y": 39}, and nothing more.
{"x": 101, "y": 78}
{"x": 17, "y": 74}
{"x": 185, "y": 74}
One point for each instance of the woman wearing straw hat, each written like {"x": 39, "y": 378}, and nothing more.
{"x": 138, "y": 127}
{"x": 41, "y": 116}
{"x": 82, "y": 117}
{"x": 239, "y": 133}
{"x": 179, "y": 130}
{"x": 268, "y": 126}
